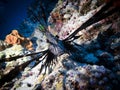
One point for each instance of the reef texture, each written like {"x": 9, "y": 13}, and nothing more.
{"x": 99, "y": 57}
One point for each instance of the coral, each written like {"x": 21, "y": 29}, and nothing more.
{"x": 15, "y": 38}
{"x": 4, "y": 45}
{"x": 94, "y": 63}
{"x": 81, "y": 78}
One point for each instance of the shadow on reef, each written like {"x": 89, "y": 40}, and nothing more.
{"x": 100, "y": 55}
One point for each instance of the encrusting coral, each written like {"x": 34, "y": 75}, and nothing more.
{"x": 92, "y": 64}
{"x": 15, "y": 38}
{"x": 4, "y": 45}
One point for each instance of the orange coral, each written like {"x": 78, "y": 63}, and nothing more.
{"x": 11, "y": 38}
{"x": 15, "y": 38}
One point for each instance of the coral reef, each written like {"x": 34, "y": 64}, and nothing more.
{"x": 8, "y": 66}
{"x": 15, "y": 38}
{"x": 86, "y": 77}
{"x": 4, "y": 45}
{"x": 94, "y": 66}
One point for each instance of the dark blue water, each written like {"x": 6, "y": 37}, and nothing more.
{"x": 12, "y": 13}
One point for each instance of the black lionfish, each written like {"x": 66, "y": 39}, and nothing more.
{"x": 58, "y": 47}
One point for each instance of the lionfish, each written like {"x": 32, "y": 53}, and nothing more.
{"x": 58, "y": 47}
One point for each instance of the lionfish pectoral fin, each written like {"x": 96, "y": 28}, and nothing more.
{"x": 21, "y": 56}
{"x": 17, "y": 69}
{"x": 101, "y": 14}
{"x": 50, "y": 59}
